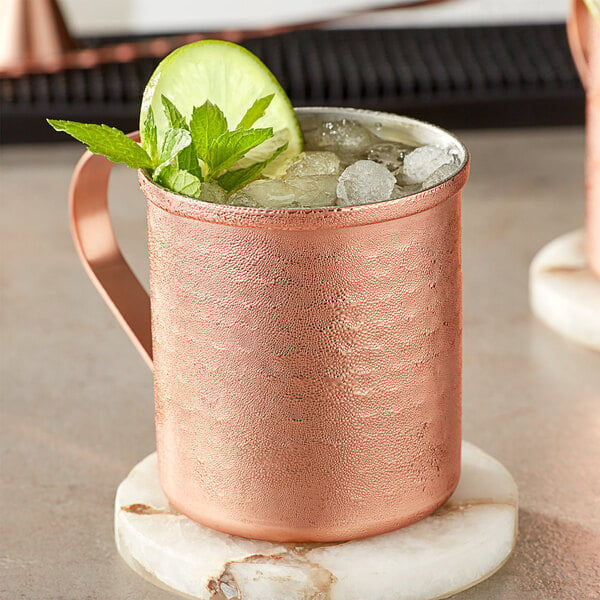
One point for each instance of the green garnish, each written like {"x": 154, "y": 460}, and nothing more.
{"x": 107, "y": 141}
{"x": 187, "y": 153}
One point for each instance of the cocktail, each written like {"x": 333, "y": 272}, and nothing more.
{"x": 304, "y": 322}
{"x": 306, "y": 304}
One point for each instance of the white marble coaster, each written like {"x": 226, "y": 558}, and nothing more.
{"x": 564, "y": 293}
{"x": 465, "y": 541}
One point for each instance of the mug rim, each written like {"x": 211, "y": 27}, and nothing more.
{"x": 326, "y": 217}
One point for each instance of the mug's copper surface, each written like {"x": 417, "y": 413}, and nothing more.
{"x": 584, "y": 39}
{"x": 99, "y": 251}
{"x": 35, "y": 39}
{"x": 33, "y": 34}
{"x": 307, "y": 363}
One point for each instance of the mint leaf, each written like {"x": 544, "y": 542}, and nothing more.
{"x": 233, "y": 180}
{"x": 208, "y": 122}
{"x": 173, "y": 143}
{"x": 107, "y": 141}
{"x": 185, "y": 155}
{"x": 230, "y": 146}
{"x": 187, "y": 159}
{"x": 255, "y": 112}
{"x": 174, "y": 117}
{"x": 149, "y": 136}
{"x": 179, "y": 181}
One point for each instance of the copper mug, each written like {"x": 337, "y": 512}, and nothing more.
{"x": 307, "y": 362}
{"x": 584, "y": 39}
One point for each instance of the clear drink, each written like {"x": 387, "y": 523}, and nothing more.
{"x": 346, "y": 163}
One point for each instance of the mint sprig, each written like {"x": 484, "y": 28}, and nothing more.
{"x": 207, "y": 123}
{"x": 107, "y": 141}
{"x": 255, "y": 112}
{"x": 179, "y": 180}
{"x": 150, "y": 136}
{"x": 233, "y": 180}
{"x": 174, "y": 141}
{"x": 187, "y": 160}
{"x": 187, "y": 153}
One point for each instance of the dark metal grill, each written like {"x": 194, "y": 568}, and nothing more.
{"x": 457, "y": 77}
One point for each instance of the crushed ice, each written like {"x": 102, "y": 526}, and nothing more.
{"x": 347, "y": 165}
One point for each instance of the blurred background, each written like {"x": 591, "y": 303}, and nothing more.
{"x": 459, "y": 63}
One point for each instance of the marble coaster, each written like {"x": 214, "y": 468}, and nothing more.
{"x": 564, "y": 293}
{"x": 464, "y": 542}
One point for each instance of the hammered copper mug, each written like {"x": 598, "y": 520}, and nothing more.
{"x": 584, "y": 40}
{"x": 307, "y": 362}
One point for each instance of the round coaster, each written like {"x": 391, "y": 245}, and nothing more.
{"x": 564, "y": 293}
{"x": 464, "y": 542}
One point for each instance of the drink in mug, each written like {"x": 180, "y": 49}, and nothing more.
{"x": 346, "y": 163}
{"x": 306, "y": 320}
{"x": 308, "y": 360}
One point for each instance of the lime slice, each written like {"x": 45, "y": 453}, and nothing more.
{"x": 232, "y": 78}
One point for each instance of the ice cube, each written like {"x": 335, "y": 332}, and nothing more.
{"x": 400, "y": 191}
{"x": 211, "y": 192}
{"x": 267, "y": 193}
{"x": 293, "y": 192}
{"x": 315, "y": 163}
{"x": 363, "y": 182}
{"x": 344, "y": 137}
{"x": 422, "y": 163}
{"x": 389, "y": 154}
{"x": 318, "y": 190}
{"x": 444, "y": 172}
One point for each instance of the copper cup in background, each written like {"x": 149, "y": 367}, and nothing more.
{"x": 307, "y": 363}
{"x": 584, "y": 39}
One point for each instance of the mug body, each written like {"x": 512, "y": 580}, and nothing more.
{"x": 307, "y": 362}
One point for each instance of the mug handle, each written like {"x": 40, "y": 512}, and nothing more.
{"x": 99, "y": 251}
{"x": 579, "y": 30}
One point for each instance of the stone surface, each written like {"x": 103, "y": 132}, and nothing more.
{"x": 76, "y": 409}
{"x": 464, "y": 542}
{"x": 564, "y": 293}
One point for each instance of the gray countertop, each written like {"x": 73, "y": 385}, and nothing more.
{"x": 77, "y": 409}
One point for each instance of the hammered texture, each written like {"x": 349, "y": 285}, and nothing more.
{"x": 307, "y": 381}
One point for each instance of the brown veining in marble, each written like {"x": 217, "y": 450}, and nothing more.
{"x": 144, "y": 509}
{"x": 318, "y": 580}
{"x": 222, "y": 588}
{"x": 304, "y": 548}
{"x": 562, "y": 270}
